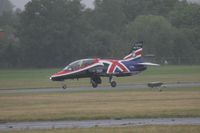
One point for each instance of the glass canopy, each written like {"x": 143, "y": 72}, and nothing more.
{"x": 79, "y": 64}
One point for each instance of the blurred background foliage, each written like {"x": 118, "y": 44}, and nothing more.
{"x": 52, "y": 33}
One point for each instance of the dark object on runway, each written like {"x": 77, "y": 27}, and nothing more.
{"x": 155, "y": 84}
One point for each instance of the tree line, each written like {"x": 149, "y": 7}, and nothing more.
{"x": 51, "y": 33}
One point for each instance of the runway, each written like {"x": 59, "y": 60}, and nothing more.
{"x": 88, "y": 88}
{"x": 97, "y": 123}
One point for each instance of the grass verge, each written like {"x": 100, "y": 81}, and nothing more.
{"x": 100, "y": 105}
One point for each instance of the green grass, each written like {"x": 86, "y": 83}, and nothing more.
{"x": 28, "y": 78}
{"x": 173, "y": 70}
{"x": 130, "y": 129}
{"x": 166, "y": 74}
{"x": 39, "y": 78}
{"x": 100, "y": 105}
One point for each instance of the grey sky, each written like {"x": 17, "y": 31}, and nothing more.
{"x": 19, "y": 3}
{"x": 89, "y": 3}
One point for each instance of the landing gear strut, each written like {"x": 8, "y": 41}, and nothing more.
{"x": 112, "y": 82}
{"x": 95, "y": 81}
{"x": 64, "y": 86}
{"x": 94, "y": 85}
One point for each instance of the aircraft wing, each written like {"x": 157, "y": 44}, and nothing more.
{"x": 148, "y": 64}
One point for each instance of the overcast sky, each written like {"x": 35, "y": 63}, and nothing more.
{"x": 20, "y": 3}
{"x": 89, "y": 3}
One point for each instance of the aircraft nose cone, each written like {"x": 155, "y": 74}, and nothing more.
{"x": 52, "y": 78}
{"x": 57, "y": 76}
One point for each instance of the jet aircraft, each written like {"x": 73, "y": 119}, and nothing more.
{"x": 95, "y": 68}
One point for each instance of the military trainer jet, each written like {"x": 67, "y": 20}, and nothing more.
{"x": 95, "y": 68}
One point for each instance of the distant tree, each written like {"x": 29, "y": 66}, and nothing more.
{"x": 108, "y": 15}
{"x": 6, "y": 13}
{"x": 133, "y": 8}
{"x": 5, "y": 6}
{"x": 8, "y": 43}
{"x": 156, "y": 32}
{"x": 51, "y": 31}
{"x": 100, "y": 44}
{"x": 54, "y": 32}
{"x": 186, "y": 17}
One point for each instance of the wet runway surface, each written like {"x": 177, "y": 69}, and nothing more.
{"x": 88, "y": 88}
{"x": 98, "y": 123}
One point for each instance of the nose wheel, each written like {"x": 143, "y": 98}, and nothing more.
{"x": 64, "y": 87}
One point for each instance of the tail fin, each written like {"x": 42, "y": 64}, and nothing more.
{"x": 135, "y": 53}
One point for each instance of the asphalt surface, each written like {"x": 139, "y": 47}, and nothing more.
{"x": 89, "y": 88}
{"x": 98, "y": 123}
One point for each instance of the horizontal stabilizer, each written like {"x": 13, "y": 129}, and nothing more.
{"x": 148, "y": 64}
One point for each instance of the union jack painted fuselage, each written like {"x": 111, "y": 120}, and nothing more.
{"x": 95, "y": 68}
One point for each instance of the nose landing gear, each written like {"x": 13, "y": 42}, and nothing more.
{"x": 64, "y": 86}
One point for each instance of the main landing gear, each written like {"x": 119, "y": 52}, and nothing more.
{"x": 97, "y": 80}
{"x": 112, "y": 82}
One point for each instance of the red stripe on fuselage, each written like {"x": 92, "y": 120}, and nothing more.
{"x": 68, "y": 72}
{"x": 115, "y": 63}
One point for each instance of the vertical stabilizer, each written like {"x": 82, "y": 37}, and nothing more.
{"x": 135, "y": 53}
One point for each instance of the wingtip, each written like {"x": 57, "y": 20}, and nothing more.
{"x": 149, "y": 64}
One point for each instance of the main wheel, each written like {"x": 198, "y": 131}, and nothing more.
{"x": 113, "y": 84}
{"x": 94, "y": 85}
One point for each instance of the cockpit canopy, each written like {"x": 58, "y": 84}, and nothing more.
{"x": 79, "y": 64}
